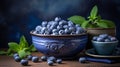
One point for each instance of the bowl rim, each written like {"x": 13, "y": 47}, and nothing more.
{"x": 41, "y": 35}
{"x": 105, "y": 42}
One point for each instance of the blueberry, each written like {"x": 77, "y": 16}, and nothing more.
{"x": 52, "y": 58}
{"x": 57, "y": 19}
{"x": 55, "y": 30}
{"x": 17, "y": 58}
{"x": 44, "y": 23}
{"x": 16, "y": 54}
{"x": 50, "y": 63}
{"x": 103, "y": 36}
{"x": 82, "y": 59}
{"x": 67, "y": 31}
{"x": 95, "y": 38}
{"x": 62, "y": 22}
{"x": 79, "y": 30}
{"x": 43, "y": 30}
{"x": 72, "y": 33}
{"x": 59, "y": 27}
{"x": 70, "y": 23}
{"x": 77, "y": 25}
{"x": 55, "y": 33}
{"x": 43, "y": 58}
{"x": 107, "y": 40}
{"x": 61, "y": 32}
{"x": 113, "y": 39}
{"x": 59, "y": 61}
{"x": 48, "y": 26}
{"x": 29, "y": 57}
{"x": 35, "y": 59}
{"x": 65, "y": 26}
{"x": 24, "y": 62}
{"x": 72, "y": 28}
{"x": 99, "y": 39}
{"x": 38, "y": 28}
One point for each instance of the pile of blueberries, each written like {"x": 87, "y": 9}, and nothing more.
{"x": 50, "y": 60}
{"x": 104, "y": 38}
{"x": 58, "y": 27}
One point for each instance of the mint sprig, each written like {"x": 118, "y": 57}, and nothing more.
{"x": 23, "y": 48}
{"x": 93, "y": 21}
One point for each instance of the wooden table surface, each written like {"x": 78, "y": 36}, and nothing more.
{"x": 7, "y": 61}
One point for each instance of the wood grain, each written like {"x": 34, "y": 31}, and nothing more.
{"x": 7, "y": 61}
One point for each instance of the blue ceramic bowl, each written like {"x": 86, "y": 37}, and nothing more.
{"x": 104, "y": 48}
{"x": 59, "y": 45}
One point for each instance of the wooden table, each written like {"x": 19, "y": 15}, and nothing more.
{"x": 7, "y": 61}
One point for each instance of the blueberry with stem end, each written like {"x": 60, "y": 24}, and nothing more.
{"x": 35, "y": 59}
{"x": 59, "y": 61}
{"x": 43, "y": 58}
{"x": 50, "y": 63}
{"x": 29, "y": 57}
{"x": 17, "y": 58}
{"x": 82, "y": 59}
{"x": 24, "y": 62}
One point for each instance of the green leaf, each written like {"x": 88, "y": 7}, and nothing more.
{"x": 23, "y": 53}
{"x": 102, "y": 24}
{"x": 3, "y": 52}
{"x": 13, "y": 46}
{"x": 85, "y": 24}
{"x": 32, "y": 48}
{"x": 94, "y": 12}
{"x": 23, "y": 42}
{"x": 109, "y": 23}
{"x": 77, "y": 19}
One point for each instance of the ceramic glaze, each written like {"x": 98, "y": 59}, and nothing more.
{"x": 104, "y": 48}
{"x": 60, "y": 46}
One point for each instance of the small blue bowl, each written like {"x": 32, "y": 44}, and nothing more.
{"x": 59, "y": 45}
{"x": 104, "y": 48}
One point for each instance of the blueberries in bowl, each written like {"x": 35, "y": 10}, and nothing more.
{"x": 104, "y": 38}
{"x": 58, "y": 27}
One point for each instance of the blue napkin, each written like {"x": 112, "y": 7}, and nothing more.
{"x": 108, "y": 61}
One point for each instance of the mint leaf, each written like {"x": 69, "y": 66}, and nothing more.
{"x": 102, "y": 24}
{"x": 3, "y": 52}
{"x": 85, "y": 24}
{"x": 94, "y": 12}
{"x": 13, "y": 46}
{"x": 23, "y": 53}
{"x": 23, "y": 43}
{"x": 32, "y": 48}
{"x": 77, "y": 19}
{"x": 109, "y": 23}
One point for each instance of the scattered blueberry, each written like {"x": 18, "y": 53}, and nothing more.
{"x": 29, "y": 57}
{"x": 35, "y": 59}
{"x": 52, "y": 58}
{"x": 59, "y": 61}
{"x": 50, "y": 63}
{"x": 82, "y": 59}
{"x": 24, "y": 62}
{"x": 43, "y": 58}
{"x": 16, "y": 54}
{"x": 17, "y": 58}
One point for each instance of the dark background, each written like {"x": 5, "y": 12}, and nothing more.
{"x": 19, "y": 17}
